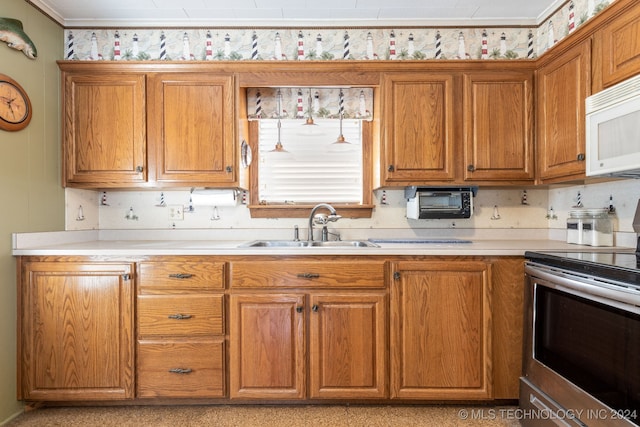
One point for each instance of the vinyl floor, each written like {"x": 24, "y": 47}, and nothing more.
{"x": 271, "y": 416}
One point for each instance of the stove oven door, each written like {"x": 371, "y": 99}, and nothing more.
{"x": 582, "y": 350}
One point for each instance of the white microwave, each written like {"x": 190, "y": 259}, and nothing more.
{"x": 613, "y": 130}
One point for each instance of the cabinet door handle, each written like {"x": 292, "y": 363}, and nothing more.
{"x": 126, "y": 277}
{"x": 391, "y": 168}
{"x": 581, "y": 157}
{"x": 229, "y": 169}
{"x": 299, "y": 309}
{"x": 471, "y": 168}
{"x": 180, "y": 316}
{"x": 315, "y": 308}
{"x": 139, "y": 169}
{"x": 308, "y": 275}
{"x": 181, "y": 276}
{"x": 396, "y": 275}
{"x": 180, "y": 370}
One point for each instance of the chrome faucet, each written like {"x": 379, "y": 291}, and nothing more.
{"x": 321, "y": 219}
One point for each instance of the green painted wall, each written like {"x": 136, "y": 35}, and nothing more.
{"x": 30, "y": 190}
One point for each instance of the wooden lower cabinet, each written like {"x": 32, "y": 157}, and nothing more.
{"x": 76, "y": 331}
{"x": 440, "y": 330}
{"x": 190, "y": 368}
{"x": 180, "y": 319}
{"x": 347, "y": 345}
{"x": 266, "y": 346}
{"x": 250, "y": 328}
{"x": 346, "y": 340}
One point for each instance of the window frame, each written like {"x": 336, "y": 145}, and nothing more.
{"x": 299, "y": 210}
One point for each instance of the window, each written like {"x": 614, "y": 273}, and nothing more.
{"x": 313, "y": 168}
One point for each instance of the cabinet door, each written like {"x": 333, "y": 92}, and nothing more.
{"x": 498, "y": 127}
{"x": 104, "y": 130}
{"x": 418, "y": 128}
{"x": 192, "y": 128}
{"x": 347, "y": 346}
{"x": 267, "y": 352}
{"x": 563, "y": 85}
{"x": 617, "y": 46}
{"x": 77, "y": 331}
{"x": 440, "y": 330}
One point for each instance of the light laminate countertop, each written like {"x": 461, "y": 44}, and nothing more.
{"x": 477, "y": 247}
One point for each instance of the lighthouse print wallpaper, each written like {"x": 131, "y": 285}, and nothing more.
{"x": 299, "y": 44}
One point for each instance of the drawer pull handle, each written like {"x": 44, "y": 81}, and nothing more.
{"x": 180, "y": 370}
{"x": 180, "y": 316}
{"x": 308, "y": 275}
{"x": 181, "y": 276}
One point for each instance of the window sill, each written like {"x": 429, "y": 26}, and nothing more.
{"x": 302, "y": 211}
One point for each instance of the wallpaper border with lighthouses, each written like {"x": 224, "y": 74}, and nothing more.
{"x": 299, "y": 44}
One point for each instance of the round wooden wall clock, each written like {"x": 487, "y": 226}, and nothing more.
{"x": 15, "y": 106}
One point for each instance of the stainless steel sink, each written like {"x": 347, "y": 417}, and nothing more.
{"x": 309, "y": 244}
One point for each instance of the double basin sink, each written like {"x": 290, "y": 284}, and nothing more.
{"x": 371, "y": 243}
{"x": 309, "y": 244}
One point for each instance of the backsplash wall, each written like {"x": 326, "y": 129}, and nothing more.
{"x": 623, "y": 194}
{"x": 495, "y": 208}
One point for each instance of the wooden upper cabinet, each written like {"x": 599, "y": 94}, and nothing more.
{"x": 191, "y": 128}
{"x": 104, "y": 129}
{"x": 617, "y": 49}
{"x": 418, "y": 128}
{"x": 563, "y": 84}
{"x": 498, "y": 126}
{"x": 142, "y": 128}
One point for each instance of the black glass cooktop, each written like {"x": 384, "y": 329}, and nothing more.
{"x": 619, "y": 266}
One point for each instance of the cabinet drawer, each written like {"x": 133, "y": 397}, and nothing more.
{"x": 181, "y": 369}
{"x": 181, "y": 275}
{"x": 293, "y": 274}
{"x": 182, "y": 315}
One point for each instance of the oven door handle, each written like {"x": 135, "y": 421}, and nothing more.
{"x": 586, "y": 287}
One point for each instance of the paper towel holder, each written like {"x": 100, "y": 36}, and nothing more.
{"x": 215, "y": 197}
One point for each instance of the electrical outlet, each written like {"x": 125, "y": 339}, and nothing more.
{"x": 176, "y": 212}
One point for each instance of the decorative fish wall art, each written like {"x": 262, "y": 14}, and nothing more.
{"x": 11, "y": 32}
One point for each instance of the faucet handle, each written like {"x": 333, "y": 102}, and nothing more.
{"x": 334, "y": 217}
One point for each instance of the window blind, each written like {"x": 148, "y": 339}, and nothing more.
{"x": 313, "y": 170}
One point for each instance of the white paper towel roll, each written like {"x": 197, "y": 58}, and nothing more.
{"x": 214, "y": 197}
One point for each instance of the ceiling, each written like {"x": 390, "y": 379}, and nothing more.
{"x": 292, "y": 13}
